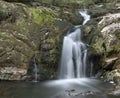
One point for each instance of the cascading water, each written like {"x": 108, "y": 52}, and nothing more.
{"x": 85, "y": 15}
{"x": 74, "y": 53}
{"x": 35, "y": 70}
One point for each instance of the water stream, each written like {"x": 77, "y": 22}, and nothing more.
{"x": 74, "y": 53}
{"x": 36, "y": 70}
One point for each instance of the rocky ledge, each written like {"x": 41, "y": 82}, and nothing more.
{"x": 13, "y": 73}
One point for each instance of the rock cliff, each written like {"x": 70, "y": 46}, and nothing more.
{"x": 36, "y": 29}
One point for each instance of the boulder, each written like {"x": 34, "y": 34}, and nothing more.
{"x": 13, "y": 73}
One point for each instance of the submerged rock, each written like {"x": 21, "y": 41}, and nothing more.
{"x": 72, "y": 93}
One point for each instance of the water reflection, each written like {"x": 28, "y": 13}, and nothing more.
{"x": 70, "y": 88}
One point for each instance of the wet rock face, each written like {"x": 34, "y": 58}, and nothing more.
{"x": 107, "y": 46}
{"x": 14, "y": 43}
{"x": 109, "y": 27}
{"x": 50, "y": 50}
{"x": 102, "y": 33}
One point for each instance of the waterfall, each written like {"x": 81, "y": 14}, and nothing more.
{"x": 74, "y": 53}
{"x": 35, "y": 70}
{"x": 85, "y": 15}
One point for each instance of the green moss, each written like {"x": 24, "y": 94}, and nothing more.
{"x": 36, "y": 16}
{"x": 43, "y": 16}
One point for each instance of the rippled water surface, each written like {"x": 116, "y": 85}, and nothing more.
{"x": 70, "y": 88}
